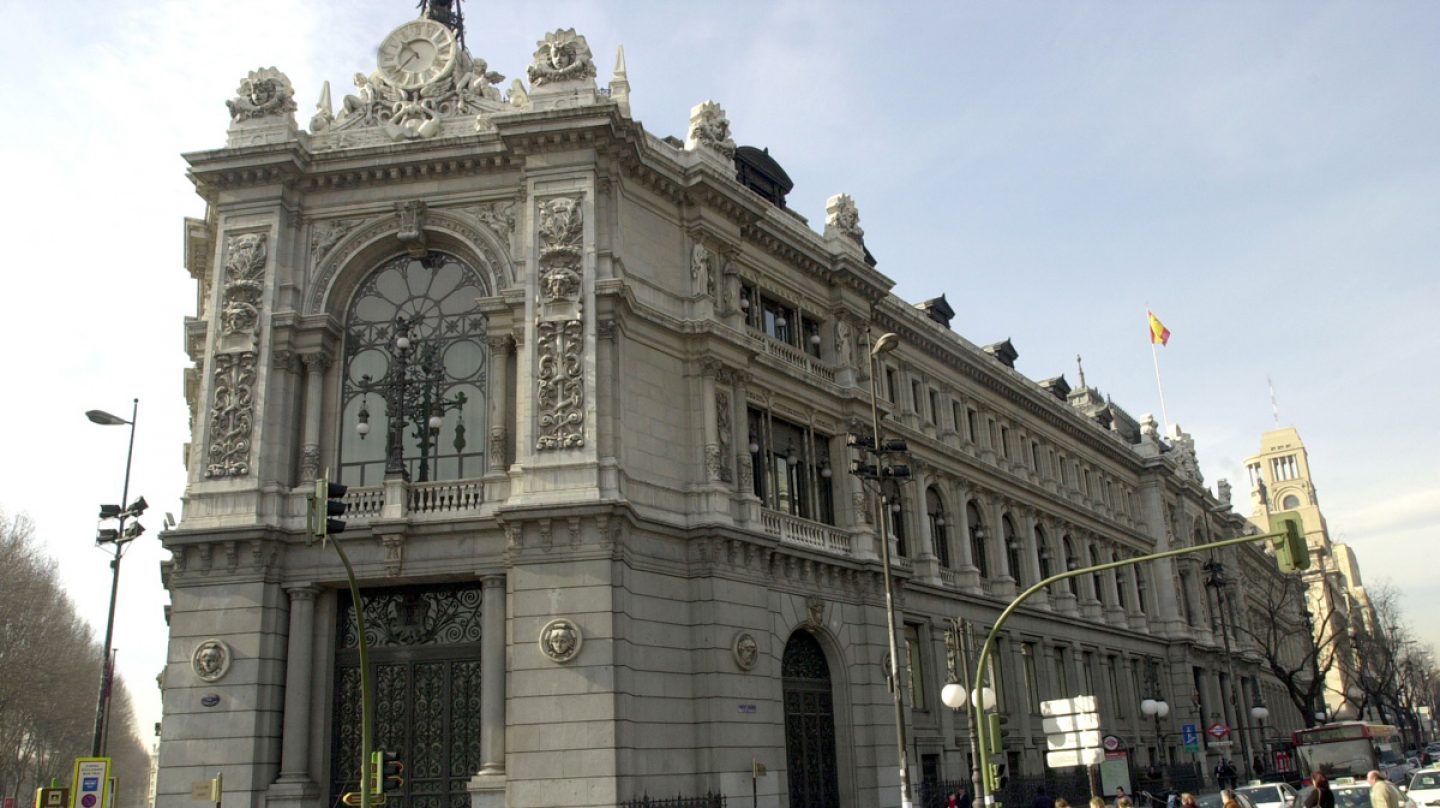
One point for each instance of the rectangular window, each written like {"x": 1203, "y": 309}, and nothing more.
{"x": 970, "y": 423}
{"x": 916, "y": 665}
{"x": 1088, "y": 671}
{"x": 788, "y": 467}
{"x": 1113, "y": 670}
{"x": 957, "y": 416}
{"x": 1062, "y": 672}
{"x": 892, "y": 384}
{"x": 1032, "y": 679}
{"x": 778, "y": 319}
{"x": 1005, "y": 442}
{"x": 1035, "y": 456}
{"x": 934, "y": 407}
{"x": 810, "y": 336}
{"x": 916, "y": 400}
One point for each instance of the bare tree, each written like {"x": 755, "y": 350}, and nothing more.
{"x": 1299, "y": 660}
{"x": 48, "y": 675}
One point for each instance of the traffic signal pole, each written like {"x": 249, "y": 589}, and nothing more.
{"x": 986, "y": 789}
{"x": 367, "y": 704}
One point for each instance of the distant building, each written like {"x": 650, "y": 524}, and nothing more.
{"x": 590, "y": 389}
{"x": 1280, "y": 480}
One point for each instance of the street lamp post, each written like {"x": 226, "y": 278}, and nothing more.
{"x": 118, "y": 538}
{"x": 1215, "y": 579}
{"x": 1157, "y": 708}
{"x": 886, "y": 473}
{"x": 958, "y": 640}
{"x": 1259, "y": 712}
{"x": 412, "y": 388}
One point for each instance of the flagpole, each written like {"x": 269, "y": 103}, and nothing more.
{"x": 1159, "y": 385}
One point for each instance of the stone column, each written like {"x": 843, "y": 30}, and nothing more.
{"x": 495, "y": 390}
{"x": 315, "y": 366}
{"x": 492, "y": 676}
{"x": 299, "y": 665}
{"x": 1005, "y": 578}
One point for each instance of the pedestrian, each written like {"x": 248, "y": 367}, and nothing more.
{"x": 1123, "y": 802}
{"x": 1258, "y": 765}
{"x": 1383, "y": 793}
{"x": 1187, "y": 800}
{"x": 1097, "y": 802}
{"x": 1042, "y": 800}
{"x": 965, "y": 800}
{"x": 1061, "y": 802}
{"x": 1172, "y": 800}
{"x": 1227, "y": 799}
{"x": 1320, "y": 795}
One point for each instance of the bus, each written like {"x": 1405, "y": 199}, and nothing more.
{"x": 1350, "y": 749}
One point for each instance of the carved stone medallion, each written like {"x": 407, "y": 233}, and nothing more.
{"x": 211, "y": 660}
{"x": 746, "y": 650}
{"x": 815, "y": 609}
{"x": 560, "y": 640}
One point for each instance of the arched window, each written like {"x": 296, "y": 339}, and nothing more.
{"x": 1071, "y": 563}
{"x": 1140, "y": 586}
{"x": 1290, "y": 502}
{"x": 1043, "y": 550}
{"x": 977, "y": 539}
{"x": 935, "y": 510}
{"x": 415, "y": 344}
{"x": 1095, "y": 577}
{"x": 896, "y": 512}
{"x": 1012, "y": 548}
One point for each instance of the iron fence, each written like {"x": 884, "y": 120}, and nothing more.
{"x": 1148, "y": 786}
{"x": 708, "y": 800}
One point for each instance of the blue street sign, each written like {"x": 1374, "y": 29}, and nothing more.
{"x": 1190, "y": 736}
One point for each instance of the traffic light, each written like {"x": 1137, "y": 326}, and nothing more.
{"x": 996, "y": 777}
{"x": 993, "y": 736}
{"x": 1291, "y": 551}
{"x": 392, "y": 773}
{"x": 326, "y": 502}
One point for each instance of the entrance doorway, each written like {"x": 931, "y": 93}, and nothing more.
{"x": 425, "y": 656}
{"x": 809, "y": 724}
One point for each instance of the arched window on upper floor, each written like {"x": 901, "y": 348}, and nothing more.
{"x": 1071, "y": 563}
{"x": 896, "y": 512}
{"x": 1012, "y": 548}
{"x": 1042, "y": 549}
{"x": 413, "y": 383}
{"x": 977, "y": 539}
{"x": 935, "y": 511}
{"x": 1095, "y": 578}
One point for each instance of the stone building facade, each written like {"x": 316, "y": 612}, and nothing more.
{"x": 590, "y": 390}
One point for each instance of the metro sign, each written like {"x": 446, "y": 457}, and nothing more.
{"x": 1217, "y": 731}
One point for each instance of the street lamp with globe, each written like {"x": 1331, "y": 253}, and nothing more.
{"x": 1157, "y": 709}
{"x": 955, "y": 697}
{"x": 1259, "y": 712}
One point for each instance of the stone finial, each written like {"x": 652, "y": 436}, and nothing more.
{"x": 1222, "y": 491}
{"x": 843, "y": 218}
{"x": 324, "y": 111}
{"x": 620, "y": 83}
{"x": 1149, "y": 429}
{"x": 1182, "y": 444}
{"x": 562, "y": 56}
{"x": 710, "y": 128}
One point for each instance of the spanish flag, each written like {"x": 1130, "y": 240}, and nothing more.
{"x": 1158, "y": 332}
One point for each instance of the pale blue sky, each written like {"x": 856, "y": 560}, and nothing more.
{"x": 1263, "y": 175}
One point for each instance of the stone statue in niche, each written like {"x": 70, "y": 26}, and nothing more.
{"x": 844, "y": 345}
{"x": 700, "y": 269}
{"x": 265, "y": 93}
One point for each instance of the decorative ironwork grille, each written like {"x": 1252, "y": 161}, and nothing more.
{"x": 425, "y": 652}
{"x": 436, "y": 295}
{"x": 809, "y": 724}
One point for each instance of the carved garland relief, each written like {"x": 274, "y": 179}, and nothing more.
{"x": 559, "y": 334}
{"x": 244, "y": 283}
{"x": 231, "y": 415}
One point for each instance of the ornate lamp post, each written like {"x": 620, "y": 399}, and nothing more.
{"x": 888, "y": 475}
{"x": 1259, "y": 712}
{"x": 957, "y": 646}
{"x": 117, "y": 537}
{"x": 413, "y": 391}
{"x": 1157, "y": 709}
{"x": 1215, "y": 579}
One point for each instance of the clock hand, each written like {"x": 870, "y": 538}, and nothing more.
{"x": 404, "y": 61}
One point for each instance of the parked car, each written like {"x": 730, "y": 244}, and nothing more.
{"x": 1351, "y": 792}
{"x": 1424, "y": 788}
{"x": 1270, "y": 795}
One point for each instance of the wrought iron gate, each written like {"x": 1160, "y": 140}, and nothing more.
{"x": 425, "y": 654}
{"x": 809, "y": 724}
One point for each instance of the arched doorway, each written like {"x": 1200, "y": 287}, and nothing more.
{"x": 809, "y": 724}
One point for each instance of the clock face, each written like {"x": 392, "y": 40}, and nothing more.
{"x": 417, "y": 53}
